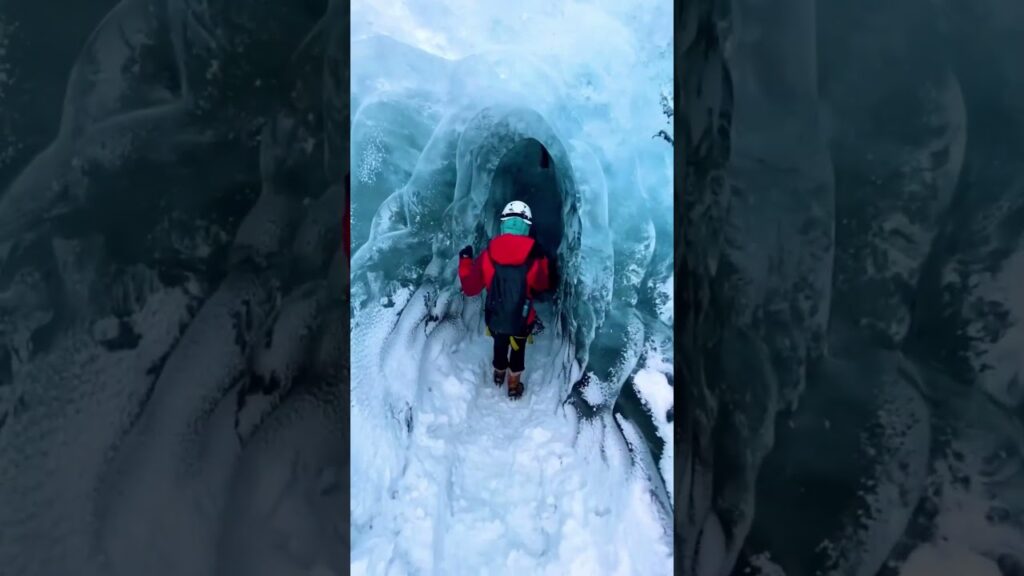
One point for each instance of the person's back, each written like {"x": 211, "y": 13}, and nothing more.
{"x": 513, "y": 270}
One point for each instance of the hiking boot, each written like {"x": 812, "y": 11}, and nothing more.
{"x": 515, "y": 385}
{"x": 499, "y": 378}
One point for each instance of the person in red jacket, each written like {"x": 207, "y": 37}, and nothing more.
{"x": 513, "y": 270}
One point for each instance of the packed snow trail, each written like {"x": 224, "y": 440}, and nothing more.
{"x": 496, "y": 486}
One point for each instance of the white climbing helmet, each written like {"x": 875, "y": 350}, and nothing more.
{"x": 517, "y": 209}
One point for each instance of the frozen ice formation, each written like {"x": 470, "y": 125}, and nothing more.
{"x": 435, "y": 157}
{"x": 558, "y": 106}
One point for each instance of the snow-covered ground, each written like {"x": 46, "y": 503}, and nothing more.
{"x": 488, "y": 485}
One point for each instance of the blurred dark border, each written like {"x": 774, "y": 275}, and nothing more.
{"x": 46, "y": 40}
{"x": 907, "y": 385}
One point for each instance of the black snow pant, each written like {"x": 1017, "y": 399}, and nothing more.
{"x": 506, "y": 355}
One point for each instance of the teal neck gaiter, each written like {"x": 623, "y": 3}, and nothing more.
{"x": 516, "y": 226}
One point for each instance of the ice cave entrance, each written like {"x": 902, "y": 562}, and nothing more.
{"x": 527, "y": 173}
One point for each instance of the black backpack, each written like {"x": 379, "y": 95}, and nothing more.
{"x": 507, "y": 306}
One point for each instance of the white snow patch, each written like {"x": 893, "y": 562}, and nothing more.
{"x": 656, "y": 394}
{"x": 487, "y": 485}
{"x": 594, "y": 391}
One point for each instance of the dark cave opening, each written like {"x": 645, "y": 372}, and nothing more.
{"x": 527, "y": 173}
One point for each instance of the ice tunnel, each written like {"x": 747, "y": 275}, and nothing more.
{"x": 527, "y": 173}
{"x": 507, "y": 154}
{"x": 472, "y": 165}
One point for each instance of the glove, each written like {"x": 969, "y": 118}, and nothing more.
{"x": 466, "y": 252}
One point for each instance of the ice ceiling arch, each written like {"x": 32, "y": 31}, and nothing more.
{"x": 492, "y": 160}
{"x": 449, "y": 201}
{"x": 429, "y": 135}
{"x": 527, "y": 173}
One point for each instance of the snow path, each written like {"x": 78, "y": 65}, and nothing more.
{"x": 495, "y": 486}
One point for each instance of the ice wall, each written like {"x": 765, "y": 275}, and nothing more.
{"x": 438, "y": 147}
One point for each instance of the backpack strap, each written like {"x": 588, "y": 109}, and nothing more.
{"x": 535, "y": 253}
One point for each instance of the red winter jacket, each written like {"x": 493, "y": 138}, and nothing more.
{"x": 510, "y": 250}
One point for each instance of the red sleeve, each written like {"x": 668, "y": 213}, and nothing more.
{"x": 471, "y": 275}
{"x": 540, "y": 280}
